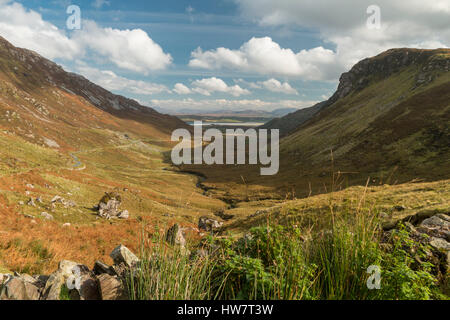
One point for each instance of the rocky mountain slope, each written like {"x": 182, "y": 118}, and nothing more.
{"x": 37, "y": 93}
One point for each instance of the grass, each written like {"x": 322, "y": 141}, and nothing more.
{"x": 292, "y": 262}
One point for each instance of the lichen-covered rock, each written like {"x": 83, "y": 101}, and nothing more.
{"x": 108, "y": 207}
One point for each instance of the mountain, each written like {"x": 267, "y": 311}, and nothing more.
{"x": 38, "y": 95}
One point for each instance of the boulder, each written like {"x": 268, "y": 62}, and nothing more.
{"x": 122, "y": 254}
{"x": 108, "y": 207}
{"x": 111, "y": 288}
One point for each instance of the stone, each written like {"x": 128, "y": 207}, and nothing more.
{"x": 122, "y": 254}
{"x": 209, "y": 224}
{"x": 100, "y": 268}
{"x": 111, "y": 288}
{"x": 123, "y": 214}
{"x": 31, "y": 202}
{"x": 175, "y": 236}
{"x": 66, "y": 225}
{"x": 18, "y": 288}
{"x": 47, "y": 216}
{"x": 57, "y": 199}
{"x": 436, "y": 221}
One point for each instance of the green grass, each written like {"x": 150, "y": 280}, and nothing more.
{"x": 291, "y": 262}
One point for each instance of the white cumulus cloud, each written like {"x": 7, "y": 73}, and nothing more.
{"x": 128, "y": 49}
{"x": 181, "y": 89}
{"x": 208, "y": 86}
{"x": 265, "y": 56}
{"x": 276, "y": 86}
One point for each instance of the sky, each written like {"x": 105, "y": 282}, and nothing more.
{"x": 224, "y": 54}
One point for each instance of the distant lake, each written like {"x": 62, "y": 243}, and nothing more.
{"x": 230, "y": 124}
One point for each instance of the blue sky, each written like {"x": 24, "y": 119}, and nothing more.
{"x": 223, "y": 54}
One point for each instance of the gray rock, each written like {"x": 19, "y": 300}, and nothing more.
{"x": 123, "y": 214}
{"x": 440, "y": 244}
{"x": 18, "y": 288}
{"x": 31, "y": 202}
{"x": 122, "y": 254}
{"x": 111, "y": 288}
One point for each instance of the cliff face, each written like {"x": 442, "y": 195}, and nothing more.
{"x": 430, "y": 64}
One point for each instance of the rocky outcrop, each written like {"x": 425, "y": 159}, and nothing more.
{"x": 209, "y": 224}
{"x": 432, "y": 229}
{"x": 108, "y": 207}
{"x": 74, "y": 281}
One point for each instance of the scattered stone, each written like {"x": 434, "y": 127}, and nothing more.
{"x": 31, "y": 202}
{"x": 57, "y": 199}
{"x": 47, "y": 216}
{"x": 221, "y": 214}
{"x": 123, "y": 214}
{"x": 208, "y": 224}
{"x": 21, "y": 203}
{"x": 29, "y": 185}
{"x": 66, "y": 225}
{"x": 122, "y": 254}
{"x": 39, "y": 199}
